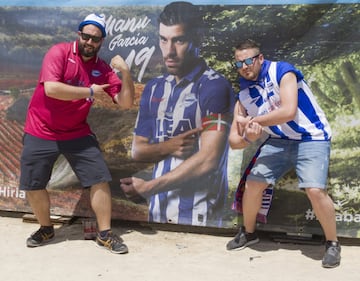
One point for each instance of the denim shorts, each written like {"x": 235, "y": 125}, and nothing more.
{"x": 39, "y": 156}
{"x": 310, "y": 160}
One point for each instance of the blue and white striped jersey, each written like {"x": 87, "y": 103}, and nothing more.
{"x": 201, "y": 99}
{"x": 262, "y": 96}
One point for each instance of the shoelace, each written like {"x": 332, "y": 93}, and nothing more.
{"x": 113, "y": 238}
{"x": 41, "y": 235}
{"x": 332, "y": 250}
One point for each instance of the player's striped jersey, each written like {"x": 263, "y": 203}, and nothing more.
{"x": 262, "y": 96}
{"x": 201, "y": 99}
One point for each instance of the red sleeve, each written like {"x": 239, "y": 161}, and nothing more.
{"x": 53, "y": 64}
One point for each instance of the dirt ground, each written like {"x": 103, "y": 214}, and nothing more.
{"x": 159, "y": 253}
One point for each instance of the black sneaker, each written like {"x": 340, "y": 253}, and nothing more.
{"x": 113, "y": 243}
{"x": 242, "y": 240}
{"x": 332, "y": 254}
{"x": 40, "y": 237}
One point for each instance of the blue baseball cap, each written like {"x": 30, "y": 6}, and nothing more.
{"x": 94, "y": 19}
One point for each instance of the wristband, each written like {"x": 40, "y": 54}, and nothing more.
{"x": 91, "y": 92}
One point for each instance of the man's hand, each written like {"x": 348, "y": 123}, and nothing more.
{"x": 119, "y": 64}
{"x": 253, "y": 131}
{"x": 133, "y": 187}
{"x": 99, "y": 89}
{"x": 247, "y": 128}
{"x": 242, "y": 122}
{"x": 184, "y": 145}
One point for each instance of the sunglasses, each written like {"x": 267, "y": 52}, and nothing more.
{"x": 248, "y": 61}
{"x": 86, "y": 37}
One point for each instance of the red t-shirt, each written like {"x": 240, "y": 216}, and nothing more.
{"x": 55, "y": 119}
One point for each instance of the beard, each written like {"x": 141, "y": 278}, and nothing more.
{"x": 180, "y": 67}
{"x": 87, "y": 50}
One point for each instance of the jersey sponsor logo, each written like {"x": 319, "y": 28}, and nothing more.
{"x": 165, "y": 128}
{"x": 189, "y": 99}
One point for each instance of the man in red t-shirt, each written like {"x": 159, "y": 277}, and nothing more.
{"x": 72, "y": 75}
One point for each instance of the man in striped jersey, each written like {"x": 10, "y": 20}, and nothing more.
{"x": 275, "y": 98}
{"x": 182, "y": 126}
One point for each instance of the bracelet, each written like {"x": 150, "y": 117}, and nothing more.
{"x": 91, "y": 92}
{"x": 246, "y": 139}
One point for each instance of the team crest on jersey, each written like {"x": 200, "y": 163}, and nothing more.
{"x": 95, "y": 73}
{"x": 190, "y": 98}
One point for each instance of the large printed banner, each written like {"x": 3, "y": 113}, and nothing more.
{"x": 321, "y": 38}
